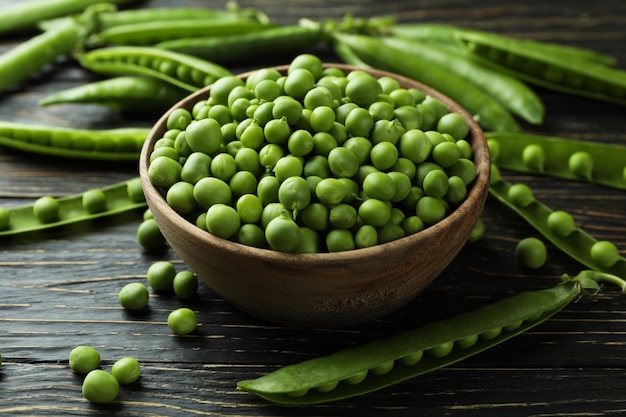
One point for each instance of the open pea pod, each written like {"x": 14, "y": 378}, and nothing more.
{"x": 385, "y": 362}
{"x": 564, "y": 73}
{"x": 48, "y": 212}
{"x": 572, "y": 240}
{"x": 600, "y": 163}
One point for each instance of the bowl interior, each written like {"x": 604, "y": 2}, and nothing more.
{"x": 322, "y": 289}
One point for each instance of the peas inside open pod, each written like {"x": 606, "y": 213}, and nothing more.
{"x": 338, "y": 284}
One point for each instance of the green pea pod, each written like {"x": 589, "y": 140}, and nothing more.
{"x": 30, "y": 56}
{"x": 152, "y": 32}
{"x": 509, "y": 91}
{"x": 447, "y": 34}
{"x": 603, "y": 163}
{"x": 490, "y": 114}
{"x": 128, "y": 94}
{"x": 385, "y": 362}
{"x": 575, "y": 242}
{"x": 181, "y": 70}
{"x": 546, "y": 69}
{"x": 93, "y": 204}
{"x": 122, "y": 144}
{"x": 27, "y": 14}
{"x": 241, "y": 47}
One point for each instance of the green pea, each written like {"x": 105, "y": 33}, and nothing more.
{"x": 164, "y": 171}
{"x": 534, "y": 157}
{"x": 430, "y": 209}
{"x": 309, "y": 62}
{"x": 223, "y": 166}
{"x": 84, "y": 359}
{"x": 253, "y": 136}
{"x": 478, "y": 231}
{"x": 100, "y": 387}
{"x": 287, "y": 107}
{"x": 561, "y": 222}
{"x": 294, "y": 193}
{"x": 269, "y": 155}
{"x": 322, "y": 118}
{"x": 288, "y": 166}
{"x": 379, "y": 185}
{"x": 134, "y": 296}
{"x": 343, "y": 162}
{"x": 338, "y": 240}
{"x": 267, "y": 189}
{"x": 179, "y": 119}
{"x": 299, "y": 81}
{"x": 319, "y": 97}
{"x": 409, "y": 116}
{"x": 300, "y": 142}
{"x": 531, "y": 253}
{"x": 243, "y": 182}
{"x": 581, "y": 164}
{"x": 94, "y": 201}
{"x": 374, "y": 212}
{"x": 316, "y": 216}
{"x": 267, "y": 90}
{"x": 277, "y": 131}
{"x": 180, "y": 197}
{"x": 384, "y": 155}
{"x": 604, "y": 253}
{"x": 182, "y": 321}
{"x": 149, "y": 235}
{"x": 282, "y": 234}
{"x": 436, "y": 183}
{"x": 210, "y": 190}
{"x": 457, "y": 190}
{"x": 252, "y": 235}
{"x": 185, "y": 284}
{"x": 249, "y": 208}
{"x": 401, "y": 97}
{"x": 363, "y": 90}
{"x": 454, "y": 124}
{"x": 366, "y": 236}
{"x": 323, "y": 143}
{"x": 46, "y": 209}
{"x": 160, "y": 275}
{"x": 415, "y": 146}
{"x": 126, "y": 370}
{"x": 359, "y": 122}
{"x": 222, "y": 220}
{"x": 342, "y": 216}
{"x": 521, "y": 195}
{"x": 446, "y": 154}
{"x": 441, "y": 350}
{"x": 412, "y": 224}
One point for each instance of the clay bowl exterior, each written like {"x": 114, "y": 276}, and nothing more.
{"x": 325, "y": 289}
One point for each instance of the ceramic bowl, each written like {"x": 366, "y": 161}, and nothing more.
{"x": 324, "y": 289}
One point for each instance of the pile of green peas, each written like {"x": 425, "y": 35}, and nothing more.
{"x": 314, "y": 160}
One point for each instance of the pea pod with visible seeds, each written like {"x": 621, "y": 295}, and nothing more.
{"x": 123, "y": 144}
{"x": 573, "y": 241}
{"x": 128, "y": 94}
{"x": 246, "y": 46}
{"x": 32, "y": 55}
{"x": 181, "y": 70}
{"x": 381, "y": 363}
{"x": 546, "y": 69}
{"x": 490, "y": 114}
{"x": 509, "y": 91}
{"x": 600, "y": 163}
{"x": 48, "y": 212}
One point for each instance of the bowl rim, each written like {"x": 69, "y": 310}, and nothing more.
{"x": 477, "y": 194}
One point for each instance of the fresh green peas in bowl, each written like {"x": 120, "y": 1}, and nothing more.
{"x": 308, "y": 206}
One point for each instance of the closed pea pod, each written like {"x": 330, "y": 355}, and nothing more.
{"x": 350, "y": 372}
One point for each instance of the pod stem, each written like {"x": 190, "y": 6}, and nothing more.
{"x": 590, "y": 279}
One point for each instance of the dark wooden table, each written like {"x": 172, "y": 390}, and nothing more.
{"x": 59, "y": 289}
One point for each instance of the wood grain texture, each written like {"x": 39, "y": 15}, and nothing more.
{"x": 58, "y": 289}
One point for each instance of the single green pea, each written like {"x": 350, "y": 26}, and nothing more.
{"x": 310, "y": 62}
{"x": 100, "y": 387}
{"x": 343, "y": 162}
{"x": 223, "y": 166}
{"x": 436, "y": 183}
{"x": 179, "y": 119}
{"x": 126, "y": 370}
{"x": 338, "y": 240}
{"x": 454, "y": 124}
{"x": 380, "y": 185}
{"x": 374, "y": 212}
{"x": 84, "y": 359}
{"x": 160, "y": 275}
{"x": 180, "y": 197}
{"x": 282, "y": 234}
{"x": 316, "y": 216}
{"x": 430, "y": 209}
{"x": 359, "y": 122}
{"x": 182, "y": 321}
{"x": 252, "y": 235}
{"x": 363, "y": 90}
{"x": 322, "y": 118}
{"x": 384, "y": 155}
{"x": 412, "y": 224}
{"x": 249, "y": 207}
{"x": 531, "y": 253}
{"x": 366, "y": 236}
{"x": 210, "y": 191}
{"x": 534, "y": 157}
{"x": 319, "y": 96}
{"x": 298, "y": 82}
{"x": 288, "y": 166}
{"x": 604, "y": 253}
{"x": 581, "y": 164}
{"x": 134, "y": 296}
{"x": 164, "y": 171}
{"x": 415, "y": 146}
{"x": 243, "y": 182}
{"x": 277, "y": 131}
{"x": 342, "y": 216}
{"x": 46, "y": 209}
{"x": 561, "y": 222}
{"x": 446, "y": 154}
{"x": 150, "y": 236}
{"x": 222, "y": 220}
{"x": 521, "y": 195}
{"x": 94, "y": 201}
